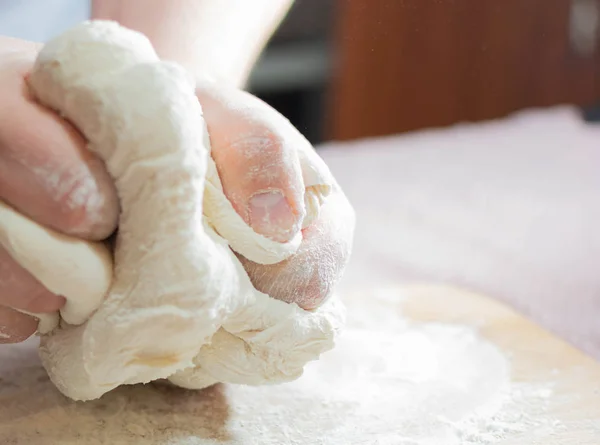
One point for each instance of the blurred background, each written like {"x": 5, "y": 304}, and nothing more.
{"x": 346, "y": 69}
{"x": 455, "y": 128}
{"x": 295, "y": 72}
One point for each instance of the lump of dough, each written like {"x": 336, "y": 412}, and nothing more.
{"x": 77, "y": 266}
{"x": 180, "y": 306}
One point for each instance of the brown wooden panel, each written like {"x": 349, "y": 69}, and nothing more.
{"x": 408, "y": 64}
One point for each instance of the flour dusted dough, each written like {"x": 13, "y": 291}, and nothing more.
{"x": 180, "y": 306}
{"x": 82, "y": 265}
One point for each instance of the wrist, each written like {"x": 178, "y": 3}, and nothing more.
{"x": 221, "y": 39}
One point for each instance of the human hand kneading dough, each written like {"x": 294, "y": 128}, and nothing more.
{"x": 47, "y": 174}
{"x": 254, "y": 148}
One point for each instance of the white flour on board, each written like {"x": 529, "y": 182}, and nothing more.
{"x": 388, "y": 382}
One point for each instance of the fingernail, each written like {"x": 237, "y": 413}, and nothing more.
{"x": 271, "y": 215}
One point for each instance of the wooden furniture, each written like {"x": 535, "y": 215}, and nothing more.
{"x": 410, "y": 64}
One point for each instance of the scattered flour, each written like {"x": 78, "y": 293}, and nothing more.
{"x": 388, "y": 382}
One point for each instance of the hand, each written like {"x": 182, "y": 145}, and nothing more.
{"x": 46, "y": 174}
{"x": 254, "y": 148}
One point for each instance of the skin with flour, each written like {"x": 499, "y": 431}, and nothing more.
{"x": 62, "y": 186}
{"x": 214, "y": 325}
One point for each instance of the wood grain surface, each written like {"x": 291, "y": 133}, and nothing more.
{"x": 305, "y": 412}
{"x": 537, "y": 356}
{"x": 410, "y": 64}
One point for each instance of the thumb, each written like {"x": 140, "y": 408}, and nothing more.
{"x": 254, "y": 149}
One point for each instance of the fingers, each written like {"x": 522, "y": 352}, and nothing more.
{"x": 252, "y": 146}
{"x": 15, "y": 327}
{"x": 20, "y": 290}
{"x": 255, "y": 150}
{"x": 309, "y": 277}
{"x": 46, "y": 172}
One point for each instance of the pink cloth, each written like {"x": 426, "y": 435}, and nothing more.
{"x": 510, "y": 208}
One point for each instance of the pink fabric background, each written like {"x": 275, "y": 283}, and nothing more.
{"x": 509, "y": 208}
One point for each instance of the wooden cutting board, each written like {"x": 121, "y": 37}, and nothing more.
{"x": 367, "y": 391}
{"x": 536, "y": 356}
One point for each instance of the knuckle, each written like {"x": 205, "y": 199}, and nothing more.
{"x": 264, "y": 160}
{"x": 259, "y": 146}
{"x": 83, "y": 208}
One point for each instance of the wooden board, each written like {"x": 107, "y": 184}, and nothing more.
{"x": 306, "y": 412}
{"x": 537, "y": 356}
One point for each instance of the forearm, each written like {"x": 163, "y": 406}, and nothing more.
{"x": 217, "y": 38}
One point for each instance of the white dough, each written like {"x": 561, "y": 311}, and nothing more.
{"x": 180, "y": 306}
{"x": 76, "y": 265}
